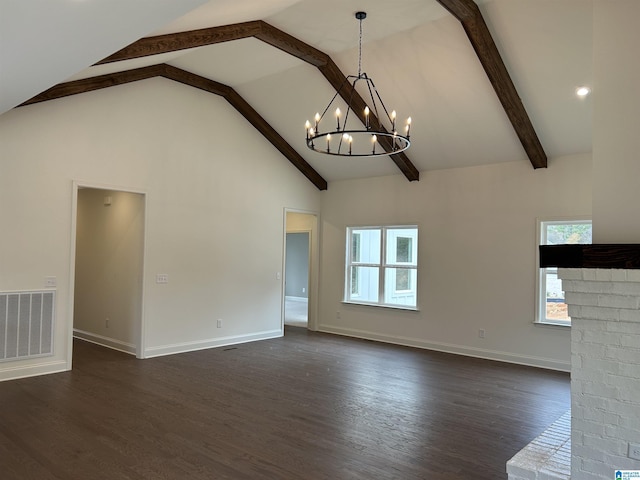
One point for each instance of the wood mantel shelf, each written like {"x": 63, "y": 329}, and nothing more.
{"x": 621, "y": 256}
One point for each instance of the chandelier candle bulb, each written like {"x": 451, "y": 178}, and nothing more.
{"x": 408, "y": 126}
{"x": 350, "y": 142}
{"x": 307, "y": 127}
{"x": 393, "y": 121}
{"x": 374, "y": 138}
{"x": 317, "y": 118}
{"x": 328, "y": 142}
{"x": 338, "y": 118}
{"x": 366, "y": 117}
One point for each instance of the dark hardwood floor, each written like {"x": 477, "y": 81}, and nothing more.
{"x": 306, "y": 406}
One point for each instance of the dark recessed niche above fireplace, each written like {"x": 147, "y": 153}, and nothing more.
{"x": 620, "y": 256}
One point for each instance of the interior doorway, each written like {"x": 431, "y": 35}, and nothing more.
{"x": 300, "y": 269}
{"x": 296, "y": 286}
{"x": 108, "y": 279}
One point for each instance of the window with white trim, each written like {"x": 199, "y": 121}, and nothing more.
{"x": 382, "y": 266}
{"x": 550, "y": 305}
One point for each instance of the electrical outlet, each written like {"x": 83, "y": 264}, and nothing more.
{"x": 50, "y": 281}
{"x": 481, "y": 333}
{"x": 338, "y": 315}
{"x": 162, "y": 278}
{"x": 634, "y": 451}
{"x": 106, "y": 323}
{"x": 219, "y": 323}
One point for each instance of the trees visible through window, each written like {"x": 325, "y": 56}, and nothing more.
{"x": 381, "y": 266}
{"x": 551, "y": 306}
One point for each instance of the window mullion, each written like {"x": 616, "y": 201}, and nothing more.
{"x": 383, "y": 262}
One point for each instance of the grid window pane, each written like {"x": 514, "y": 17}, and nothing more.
{"x": 365, "y": 245}
{"x": 367, "y": 283}
{"x": 400, "y": 286}
{"x": 556, "y": 308}
{"x": 402, "y": 246}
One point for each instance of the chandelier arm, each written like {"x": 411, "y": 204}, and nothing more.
{"x": 384, "y": 107}
{"x": 373, "y": 100}
{"x": 346, "y": 80}
{"x": 349, "y": 108}
{"x": 340, "y": 144}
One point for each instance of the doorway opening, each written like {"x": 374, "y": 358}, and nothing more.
{"x": 108, "y": 265}
{"x": 296, "y": 286}
{"x": 300, "y": 269}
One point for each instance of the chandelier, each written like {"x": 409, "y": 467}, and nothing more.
{"x": 345, "y": 136}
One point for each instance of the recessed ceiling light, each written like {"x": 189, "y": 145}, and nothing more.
{"x": 583, "y": 91}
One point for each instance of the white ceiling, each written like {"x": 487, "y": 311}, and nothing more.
{"x": 417, "y": 53}
{"x": 44, "y": 41}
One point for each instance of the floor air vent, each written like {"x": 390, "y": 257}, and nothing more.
{"x": 26, "y": 325}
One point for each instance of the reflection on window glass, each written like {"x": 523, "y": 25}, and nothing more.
{"x": 355, "y": 246}
{"x": 354, "y": 281}
{"x": 402, "y": 279}
{"x": 403, "y": 249}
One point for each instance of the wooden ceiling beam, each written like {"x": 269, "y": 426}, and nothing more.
{"x": 277, "y": 38}
{"x": 291, "y": 45}
{"x": 173, "y": 42}
{"x": 187, "y": 78}
{"x": 469, "y": 15}
{"x": 95, "y": 83}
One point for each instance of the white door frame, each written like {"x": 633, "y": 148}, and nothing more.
{"x": 314, "y": 265}
{"x": 77, "y": 185}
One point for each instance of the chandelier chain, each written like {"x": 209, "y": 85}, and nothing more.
{"x": 360, "y": 51}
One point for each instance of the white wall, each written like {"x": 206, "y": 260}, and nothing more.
{"x": 476, "y": 259}
{"x": 214, "y": 209}
{"x": 109, "y": 261}
{"x": 616, "y": 113}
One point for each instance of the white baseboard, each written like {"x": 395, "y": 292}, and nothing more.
{"x": 507, "y": 357}
{"x": 24, "y": 371}
{"x": 184, "y": 347}
{"x": 105, "y": 341}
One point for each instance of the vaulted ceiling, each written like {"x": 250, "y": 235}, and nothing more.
{"x": 420, "y": 55}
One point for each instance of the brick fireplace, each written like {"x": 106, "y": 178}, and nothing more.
{"x": 602, "y": 289}
{"x": 604, "y": 305}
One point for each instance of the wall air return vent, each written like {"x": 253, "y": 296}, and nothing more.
{"x": 26, "y": 324}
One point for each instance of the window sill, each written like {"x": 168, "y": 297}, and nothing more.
{"x": 378, "y": 305}
{"x": 553, "y": 324}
